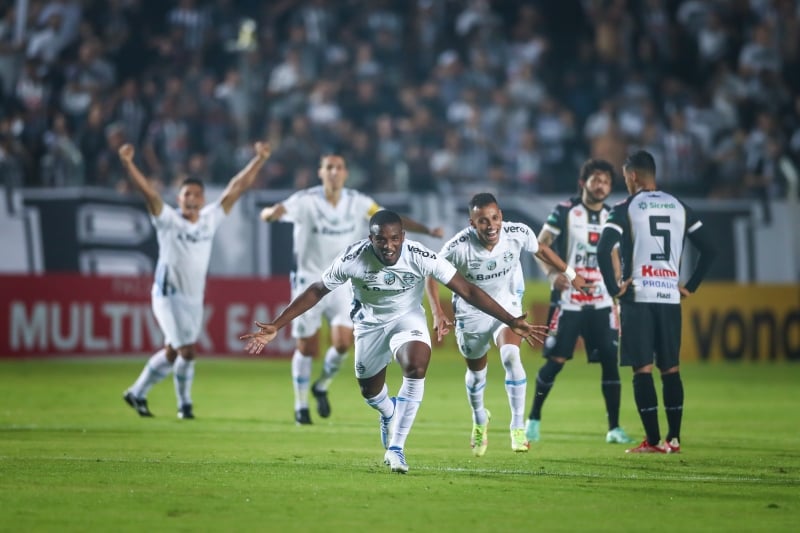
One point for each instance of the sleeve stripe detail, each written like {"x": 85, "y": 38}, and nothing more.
{"x": 613, "y": 226}
{"x": 694, "y": 227}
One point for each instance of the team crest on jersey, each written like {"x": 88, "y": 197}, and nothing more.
{"x": 408, "y": 278}
{"x": 642, "y": 205}
{"x": 474, "y": 265}
{"x": 578, "y": 213}
{"x": 389, "y": 278}
{"x": 491, "y": 265}
{"x": 508, "y": 257}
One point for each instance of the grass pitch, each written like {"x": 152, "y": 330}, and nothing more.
{"x": 74, "y": 457}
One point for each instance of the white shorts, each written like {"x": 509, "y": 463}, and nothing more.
{"x": 180, "y": 319}
{"x": 335, "y": 307}
{"x": 476, "y": 331}
{"x": 375, "y": 348}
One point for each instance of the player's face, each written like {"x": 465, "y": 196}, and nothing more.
{"x": 191, "y": 199}
{"x": 630, "y": 180}
{"x": 597, "y": 187}
{"x": 488, "y": 222}
{"x": 387, "y": 241}
{"x": 333, "y": 173}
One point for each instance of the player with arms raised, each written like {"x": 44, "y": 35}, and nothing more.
{"x": 185, "y": 237}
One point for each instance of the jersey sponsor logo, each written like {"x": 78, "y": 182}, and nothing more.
{"x": 324, "y": 230}
{"x": 486, "y": 277}
{"x": 594, "y": 237}
{"x": 515, "y": 229}
{"x": 649, "y": 271}
{"x": 589, "y": 260}
{"x": 416, "y": 333}
{"x": 660, "y": 284}
{"x": 663, "y": 296}
{"x": 656, "y": 205}
{"x": 474, "y": 265}
{"x": 420, "y": 251}
{"x": 491, "y": 265}
{"x": 198, "y": 236}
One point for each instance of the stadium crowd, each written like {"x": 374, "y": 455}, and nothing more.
{"x": 419, "y": 95}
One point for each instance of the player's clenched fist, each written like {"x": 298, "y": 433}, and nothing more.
{"x": 126, "y": 152}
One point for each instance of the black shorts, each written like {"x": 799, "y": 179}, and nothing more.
{"x": 597, "y": 327}
{"x": 651, "y": 333}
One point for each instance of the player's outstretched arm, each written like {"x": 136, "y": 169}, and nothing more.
{"x": 245, "y": 178}
{"x": 441, "y": 322}
{"x": 478, "y": 297}
{"x": 556, "y": 277}
{"x": 272, "y": 213}
{"x": 307, "y": 299}
{"x": 418, "y": 227}
{"x": 151, "y": 197}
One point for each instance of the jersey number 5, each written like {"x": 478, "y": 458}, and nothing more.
{"x": 655, "y": 231}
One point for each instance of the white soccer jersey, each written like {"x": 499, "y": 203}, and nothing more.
{"x": 184, "y": 251}
{"x": 322, "y": 230}
{"x": 383, "y": 293}
{"x": 653, "y": 225}
{"x": 497, "y": 271}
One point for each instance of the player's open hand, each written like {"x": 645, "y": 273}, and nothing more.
{"x": 126, "y": 152}
{"x": 532, "y": 333}
{"x": 263, "y": 149}
{"x": 684, "y": 291}
{"x": 257, "y": 340}
{"x": 441, "y": 325}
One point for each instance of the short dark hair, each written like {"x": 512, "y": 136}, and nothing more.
{"x": 193, "y": 181}
{"x": 384, "y": 217}
{"x": 482, "y": 199}
{"x": 642, "y": 161}
{"x": 590, "y": 166}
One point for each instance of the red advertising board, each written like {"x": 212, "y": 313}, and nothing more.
{"x": 91, "y": 315}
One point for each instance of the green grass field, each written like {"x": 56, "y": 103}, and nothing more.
{"x": 74, "y": 457}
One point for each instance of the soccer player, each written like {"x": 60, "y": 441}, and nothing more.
{"x": 326, "y": 218}
{"x": 387, "y": 273}
{"x": 573, "y": 230}
{"x": 184, "y": 237}
{"x": 487, "y": 253}
{"x": 651, "y": 226}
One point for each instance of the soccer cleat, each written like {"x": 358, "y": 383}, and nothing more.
{"x": 532, "y": 430}
{"x": 480, "y": 436}
{"x": 302, "y": 417}
{"x": 387, "y": 425}
{"x": 618, "y": 436}
{"x": 518, "y": 441}
{"x": 646, "y": 447}
{"x": 185, "y": 412}
{"x": 138, "y": 404}
{"x": 672, "y": 446}
{"x": 396, "y": 459}
{"x": 323, "y": 405}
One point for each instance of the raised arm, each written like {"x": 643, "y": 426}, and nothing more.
{"x": 417, "y": 227}
{"x": 478, "y": 298}
{"x": 151, "y": 197}
{"x": 441, "y": 322}
{"x": 245, "y": 178}
{"x": 267, "y": 331}
{"x": 272, "y": 213}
